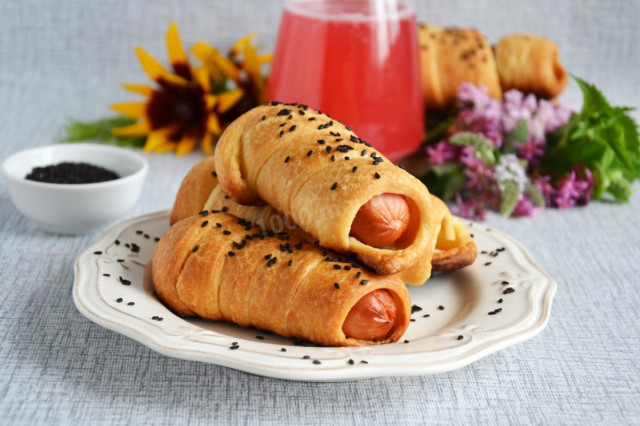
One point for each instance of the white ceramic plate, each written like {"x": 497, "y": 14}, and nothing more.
{"x": 503, "y": 298}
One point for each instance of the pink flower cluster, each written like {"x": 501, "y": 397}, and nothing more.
{"x": 495, "y": 120}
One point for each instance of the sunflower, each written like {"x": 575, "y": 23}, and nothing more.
{"x": 187, "y": 103}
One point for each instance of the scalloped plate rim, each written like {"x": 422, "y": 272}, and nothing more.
{"x": 161, "y": 342}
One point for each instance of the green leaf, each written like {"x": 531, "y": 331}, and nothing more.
{"x": 100, "y": 131}
{"x": 613, "y": 136}
{"x": 519, "y": 134}
{"x": 510, "y": 197}
{"x": 437, "y": 132}
{"x": 620, "y": 188}
{"x": 444, "y": 180}
{"x": 483, "y": 148}
{"x": 534, "y": 194}
{"x": 593, "y": 101}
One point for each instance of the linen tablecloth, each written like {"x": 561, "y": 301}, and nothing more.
{"x": 65, "y": 59}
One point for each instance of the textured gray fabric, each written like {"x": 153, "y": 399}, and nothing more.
{"x": 65, "y": 59}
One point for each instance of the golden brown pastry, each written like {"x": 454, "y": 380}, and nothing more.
{"x": 219, "y": 267}
{"x": 319, "y": 174}
{"x": 531, "y": 64}
{"x": 454, "y": 249}
{"x": 450, "y": 57}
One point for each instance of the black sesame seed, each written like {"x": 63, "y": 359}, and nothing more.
{"x": 286, "y": 160}
{"x": 406, "y": 341}
{"x": 292, "y": 128}
{"x": 260, "y": 337}
{"x": 415, "y": 308}
{"x": 231, "y": 254}
{"x": 223, "y": 209}
{"x": 139, "y": 232}
{"x": 218, "y": 225}
{"x": 508, "y": 290}
{"x": 353, "y": 138}
{"x": 130, "y": 303}
{"x": 284, "y": 112}
{"x": 317, "y": 362}
{"x": 412, "y": 320}
{"x": 334, "y": 186}
{"x": 336, "y": 285}
{"x": 264, "y": 117}
{"x": 333, "y": 158}
{"x": 281, "y": 133}
{"x": 487, "y": 263}
{"x": 377, "y": 175}
{"x": 351, "y": 362}
{"x": 364, "y": 152}
{"x": 106, "y": 275}
{"x": 234, "y": 347}
{"x": 97, "y": 252}
{"x": 312, "y": 118}
{"x": 426, "y": 316}
{"x": 505, "y": 283}
{"x": 337, "y": 267}
{"x": 328, "y": 149}
{"x": 359, "y": 274}
{"x": 440, "y": 307}
{"x": 225, "y": 232}
{"x": 364, "y": 362}
{"x": 347, "y": 268}
{"x": 364, "y": 282}
{"x": 214, "y": 174}
{"x": 267, "y": 257}
{"x": 306, "y": 356}
{"x": 205, "y": 223}
{"x": 460, "y": 337}
{"x": 284, "y": 123}
{"x": 290, "y": 262}
{"x": 124, "y": 281}
{"x": 321, "y": 141}
{"x": 195, "y": 249}
{"x": 298, "y": 246}
{"x": 283, "y": 349}
{"x": 119, "y": 300}
{"x": 500, "y": 300}
{"x": 309, "y": 153}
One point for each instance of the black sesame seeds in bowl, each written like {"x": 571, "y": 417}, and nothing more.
{"x": 74, "y": 188}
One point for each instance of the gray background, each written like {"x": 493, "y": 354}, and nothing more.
{"x": 66, "y": 59}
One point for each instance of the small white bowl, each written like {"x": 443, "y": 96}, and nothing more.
{"x": 75, "y": 208}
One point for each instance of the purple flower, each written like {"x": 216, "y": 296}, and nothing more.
{"x": 532, "y": 150}
{"x": 470, "y": 209}
{"x": 441, "y": 153}
{"x": 525, "y": 208}
{"x": 575, "y": 188}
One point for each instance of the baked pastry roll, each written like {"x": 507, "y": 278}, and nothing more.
{"x": 450, "y": 57}
{"x": 531, "y": 64}
{"x": 219, "y": 267}
{"x": 321, "y": 176}
{"x": 454, "y": 247}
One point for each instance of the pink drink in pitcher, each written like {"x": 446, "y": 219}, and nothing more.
{"x": 356, "y": 60}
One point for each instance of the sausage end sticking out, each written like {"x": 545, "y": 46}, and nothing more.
{"x": 382, "y": 220}
{"x": 372, "y": 318}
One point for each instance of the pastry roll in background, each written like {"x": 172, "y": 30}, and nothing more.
{"x": 531, "y": 64}
{"x": 219, "y": 267}
{"x": 454, "y": 248}
{"x": 450, "y": 57}
{"x": 322, "y": 177}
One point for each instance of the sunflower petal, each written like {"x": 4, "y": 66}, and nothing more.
{"x": 207, "y": 143}
{"x": 202, "y": 76}
{"x": 169, "y": 146}
{"x": 242, "y": 43}
{"x": 228, "y": 99}
{"x": 213, "y": 124}
{"x": 130, "y": 109}
{"x": 211, "y": 57}
{"x": 174, "y": 46}
{"x": 155, "y": 70}
{"x": 186, "y": 144}
{"x": 211, "y": 101}
{"x": 155, "y": 139}
{"x": 140, "y": 128}
{"x": 265, "y": 58}
{"x": 141, "y": 89}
